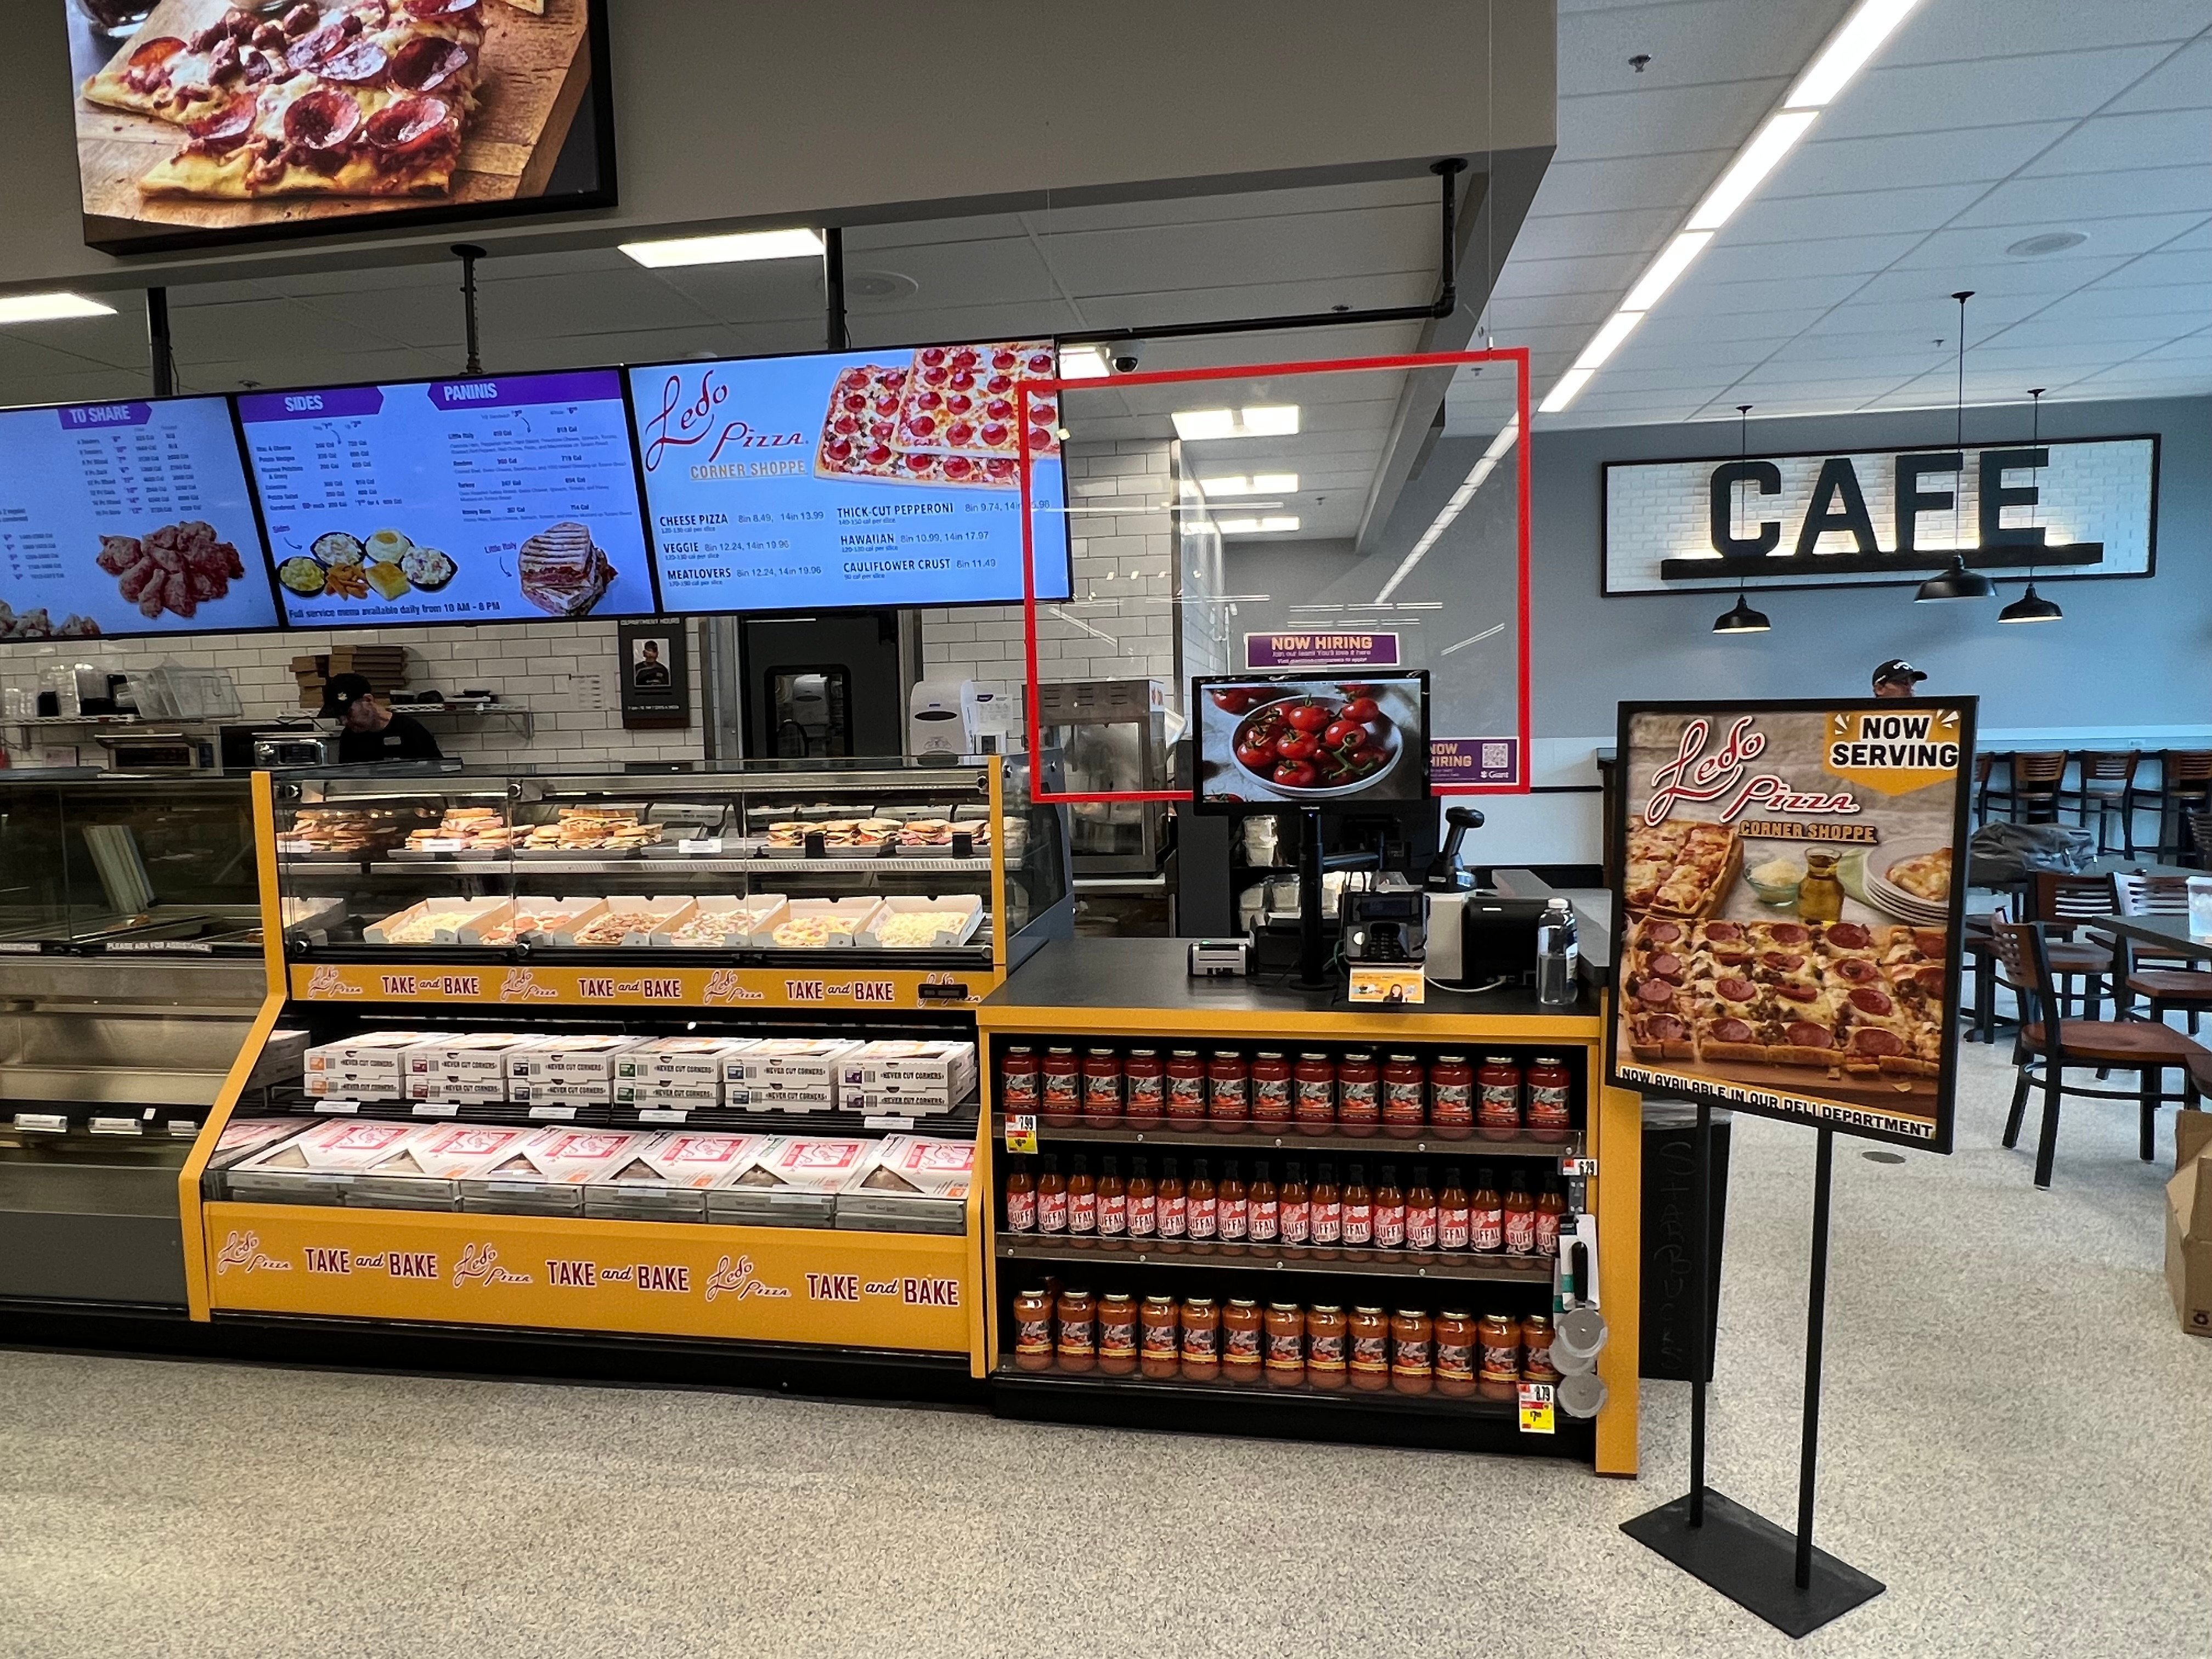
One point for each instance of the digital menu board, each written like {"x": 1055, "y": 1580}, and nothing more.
{"x": 868, "y": 479}
{"x": 490, "y": 498}
{"x": 128, "y": 517}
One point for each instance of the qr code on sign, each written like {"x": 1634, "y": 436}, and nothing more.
{"x": 1496, "y": 757}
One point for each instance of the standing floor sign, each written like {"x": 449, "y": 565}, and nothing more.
{"x": 1787, "y": 941}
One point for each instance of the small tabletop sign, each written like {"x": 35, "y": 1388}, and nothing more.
{"x": 1401, "y": 986}
{"x": 1021, "y": 1132}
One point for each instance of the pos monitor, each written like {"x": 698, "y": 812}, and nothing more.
{"x": 1268, "y": 742}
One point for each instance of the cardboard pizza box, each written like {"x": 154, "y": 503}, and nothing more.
{"x": 2189, "y": 1223}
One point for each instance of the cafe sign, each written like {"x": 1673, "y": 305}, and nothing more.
{"x": 2080, "y": 507}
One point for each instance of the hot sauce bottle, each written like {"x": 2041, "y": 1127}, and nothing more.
{"x": 1295, "y": 1207}
{"x": 1421, "y": 1223}
{"x": 1174, "y": 1207}
{"x": 1452, "y": 1213}
{"x": 1389, "y": 1211}
{"x": 1081, "y": 1201}
{"x": 1144, "y": 1090}
{"x": 1021, "y": 1199}
{"x": 1358, "y": 1214}
{"x": 1052, "y": 1197}
{"x": 1229, "y": 1090}
{"x": 1313, "y": 1082}
{"x": 1159, "y": 1336}
{"x": 1267, "y": 1214}
{"x": 1520, "y": 1217}
{"x": 1233, "y": 1209}
{"x": 1271, "y": 1091}
{"x": 1358, "y": 1095}
{"x": 1485, "y": 1216}
{"x": 1186, "y": 1074}
{"x": 1202, "y": 1208}
{"x": 1060, "y": 1101}
{"x": 1551, "y": 1210}
{"x": 1327, "y": 1209}
{"x": 1113, "y": 1204}
{"x": 1143, "y": 1207}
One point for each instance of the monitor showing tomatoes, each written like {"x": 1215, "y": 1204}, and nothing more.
{"x": 1311, "y": 740}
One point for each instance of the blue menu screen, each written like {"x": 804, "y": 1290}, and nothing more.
{"x": 867, "y": 478}
{"x": 484, "y": 499}
{"x": 128, "y": 518}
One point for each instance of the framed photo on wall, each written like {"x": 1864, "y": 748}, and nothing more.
{"x": 656, "y": 672}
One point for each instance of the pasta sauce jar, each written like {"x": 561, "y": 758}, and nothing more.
{"x": 1243, "y": 1340}
{"x": 1201, "y": 1337}
{"x": 1018, "y": 1080}
{"x": 1033, "y": 1331}
{"x": 1413, "y": 1352}
{"x": 1101, "y": 1089}
{"x": 1404, "y": 1086}
{"x": 1454, "y": 1339}
{"x": 1497, "y": 1098}
{"x": 1271, "y": 1091}
{"x": 1117, "y": 1335}
{"x": 1497, "y": 1343}
{"x": 1451, "y": 1098}
{"x": 1228, "y": 1091}
{"x": 1285, "y": 1331}
{"x": 1186, "y": 1074}
{"x": 1326, "y": 1348}
{"x": 1313, "y": 1084}
{"x": 1144, "y": 1090}
{"x": 1370, "y": 1348}
{"x": 1536, "y": 1341}
{"x": 1550, "y": 1087}
{"x": 1061, "y": 1103}
{"x": 1079, "y": 1332}
{"x": 1358, "y": 1095}
{"x": 1158, "y": 1336}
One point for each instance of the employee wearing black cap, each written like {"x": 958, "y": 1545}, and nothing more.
{"x": 372, "y": 731}
{"x": 1897, "y": 679}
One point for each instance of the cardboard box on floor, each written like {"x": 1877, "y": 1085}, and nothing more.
{"x": 2189, "y": 1223}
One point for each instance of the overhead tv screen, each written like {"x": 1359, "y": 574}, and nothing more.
{"x": 482, "y": 498}
{"x": 852, "y": 479}
{"x": 128, "y": 517}
{"x": 199, "y": 122}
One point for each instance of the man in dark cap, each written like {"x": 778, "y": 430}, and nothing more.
{"x": 372, "y": 731}
{"x": 1897, "y": 679}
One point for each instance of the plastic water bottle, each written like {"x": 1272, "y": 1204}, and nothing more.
{"x": 1556, "y": 954}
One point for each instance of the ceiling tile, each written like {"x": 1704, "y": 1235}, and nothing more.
{"x": 1621, "y": 231}
{"x": 1969, "y": 250}
{"x": 1675, "y": 180}
{"x": 2119, "y": 143}
{"x": 1983, "y": 92}
{"x": 1793, "y": 218}
{"x": 1728, "y": 263}
{"x": 1691, "y": 43}
{"x": 1972, "y": 34}
{"x": 1693, "y": 297}
{"x": 2013, "y": 277}
{"x": 1604, "y": 274}
{"x": 1968, "y": 156}
{"x": 1663, "y": 119}
{"x": 2063, "y": 202}
{"x": 2182, "y": 82}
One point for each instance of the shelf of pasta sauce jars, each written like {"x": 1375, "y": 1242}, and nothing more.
{"x": 1504, "y": 1100}
{"x": 1417, "y": 1218}
{"x": 1461, "y": 1358}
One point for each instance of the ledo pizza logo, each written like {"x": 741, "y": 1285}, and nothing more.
{"x": 1729, "y": 777}
{"x": 243, "y": 1251}
{"x": 1894, "y": 754}
{"x": 736, "y": 1280}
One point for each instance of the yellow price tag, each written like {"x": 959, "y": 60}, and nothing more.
{"x": 1536, "y": 1407}
{"x": 1021, "y": 1132}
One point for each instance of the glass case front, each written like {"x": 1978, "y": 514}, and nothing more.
{"x": 770, "y": 863}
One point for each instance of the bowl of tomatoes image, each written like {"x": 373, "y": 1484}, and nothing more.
{"x": 1306, "y": 747}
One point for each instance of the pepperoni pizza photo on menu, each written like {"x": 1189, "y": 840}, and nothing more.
{"x": 1787, "y": 917}
{"x": 198, "y": 117}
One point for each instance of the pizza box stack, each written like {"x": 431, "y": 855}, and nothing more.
{"x": 424, "y": 1172}
{"x": 792, "y": 1181}
{"x": 241, "y": 1137}
{"x": 676, "y": 1073}
{"x": 786, "y": 1074}
{"x": 898, "y": 1078}
{"x": 911, "y": 1184}
{"x": 384, "y": 666}
{"x": 567, "y": 1079}
{"x": 667, "y": 1179}
{"x": 545, "y": 1174}
{"x": 462, "y": 1067}
{"x": 364, "y": 1067}
{"x": 317, "y": 1164}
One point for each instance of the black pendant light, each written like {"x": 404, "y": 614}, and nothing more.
{"x": 2032, "y": 606}
{"x": 1956, "y": 582}
{"x": 1742, "y": 619}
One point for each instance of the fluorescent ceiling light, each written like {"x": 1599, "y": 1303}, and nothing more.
{"x": 1568, "y": 387}
{"x": 1263, "y": 421}
{"x": 1256, "y": 527}
{"x": 726, "y": 249}
{"x": 1608, "y": 338}
{"x": 1759, "y": 158}
{"x": 1659, "y": 276}
{"x": 49, "y": 307}
{"x": 1259, "y": 483}
{"x": 1086, "y": 363}
{"x": 1847, "y": 51}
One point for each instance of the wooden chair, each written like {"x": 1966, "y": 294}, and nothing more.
{"x": 2048, "y": 1043}
{"x": 2200, "y": 839}
{"x": 2036, "y": 779}
{"x": 2067, "y": 902}
{"x": 1986, "y": 763}
{"x": 2107, "y": 785}
{"x": 2183, "y": 792}
{"x": 1982, "y": 965}
{"x": 2168, "y": 980}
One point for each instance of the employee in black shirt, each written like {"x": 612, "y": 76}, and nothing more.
{"x": 372, "y": 732}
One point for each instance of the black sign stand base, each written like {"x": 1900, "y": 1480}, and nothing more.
{"x": 1776, "y": 1574}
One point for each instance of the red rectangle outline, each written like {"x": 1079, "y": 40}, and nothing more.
{"x": 1517, "y": 355}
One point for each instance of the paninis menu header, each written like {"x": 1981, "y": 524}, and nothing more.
{"x": 1787, "y": 924}
{"x": 128, "y": 517}
{"x": 860, "y": 479}
{"x": 482, "y": 499}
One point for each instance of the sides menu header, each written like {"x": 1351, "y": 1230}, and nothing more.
{"x": 483, "y": 499}
{"x": 127, "y": 518}
{"x": 871, "y": 478}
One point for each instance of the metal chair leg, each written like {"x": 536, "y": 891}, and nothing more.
{"x": 2152, "y": 1078}
{"x": 2018, "y": 1110}
{"x": 2046, "y": 1146}
{"x": 1986, "y": 999}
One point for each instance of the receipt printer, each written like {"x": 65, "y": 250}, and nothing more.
{"x": 1474, "y": 939}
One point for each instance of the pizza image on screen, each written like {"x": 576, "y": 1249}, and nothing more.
{"x": 945, "y": 415}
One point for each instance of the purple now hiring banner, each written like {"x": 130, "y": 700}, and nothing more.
{"x": 1339, "y": 650}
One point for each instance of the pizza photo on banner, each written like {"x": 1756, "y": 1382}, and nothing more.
{"x": 1787, "y": 924}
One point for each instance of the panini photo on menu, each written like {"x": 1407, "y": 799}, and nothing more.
{"x": 199, "y": 121}
{"x": 1789, "y": 910}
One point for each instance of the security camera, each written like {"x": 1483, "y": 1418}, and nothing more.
{"x": 1125, "y": 357}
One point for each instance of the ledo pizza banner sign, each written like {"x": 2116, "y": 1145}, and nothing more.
{"x": 1788, "y": 917}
